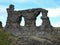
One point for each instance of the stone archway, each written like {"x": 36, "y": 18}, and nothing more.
{"x": 38, "y": 20}
{"x": 14, "y": 19}
{"x": 29, "y": 33}
{"x": 30, "y": 17}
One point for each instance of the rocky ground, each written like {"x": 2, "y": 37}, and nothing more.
{"x": 26, "y": 38}
{"x": 36, "y": 38}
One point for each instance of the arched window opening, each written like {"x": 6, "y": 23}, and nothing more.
{"x": 22, "y": 22}
{"x": 38, "y": 20}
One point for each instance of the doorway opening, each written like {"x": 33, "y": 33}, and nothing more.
{"x": 38, "y": 20}
{"x": 22, "y": 22}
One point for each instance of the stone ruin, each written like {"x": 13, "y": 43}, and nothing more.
{"x": 30, "y": 34}
{"x": 14, "y": 19}
{"x": 0, "y": 24}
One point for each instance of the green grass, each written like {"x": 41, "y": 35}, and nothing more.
{"x": 4, "y": 38}
{"x": 58, "y": 28}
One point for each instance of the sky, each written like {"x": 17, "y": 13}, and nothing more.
{"x": 53, "y": 7}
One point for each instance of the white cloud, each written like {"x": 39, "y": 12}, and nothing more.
{"x": 56, "y": 24}
{"x": 3, "y": 14}
{"x": 53, "y": 12}
{"x": 2, "y": 9}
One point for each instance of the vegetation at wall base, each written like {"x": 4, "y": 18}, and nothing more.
{"x": 4, "y": 38}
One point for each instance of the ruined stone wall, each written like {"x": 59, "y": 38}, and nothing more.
{"x": 14, "y": 19}
{"x": 0, "y": 24}
{"x": 30, "y": 34}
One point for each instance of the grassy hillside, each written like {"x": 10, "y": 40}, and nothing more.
{"x": 4, "y": 38}
{"x": 7, "y": 39}
{"x": 58, "y": 28}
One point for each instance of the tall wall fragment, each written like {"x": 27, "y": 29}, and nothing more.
{"x": 14, "y": 19}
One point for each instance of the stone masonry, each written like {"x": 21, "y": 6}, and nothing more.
{"x": 0, "y": 24}
{"x": 14, "y": 19}
{"x": 30, "y": 34}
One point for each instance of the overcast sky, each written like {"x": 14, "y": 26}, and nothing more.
{"x": 53, "y": 7}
